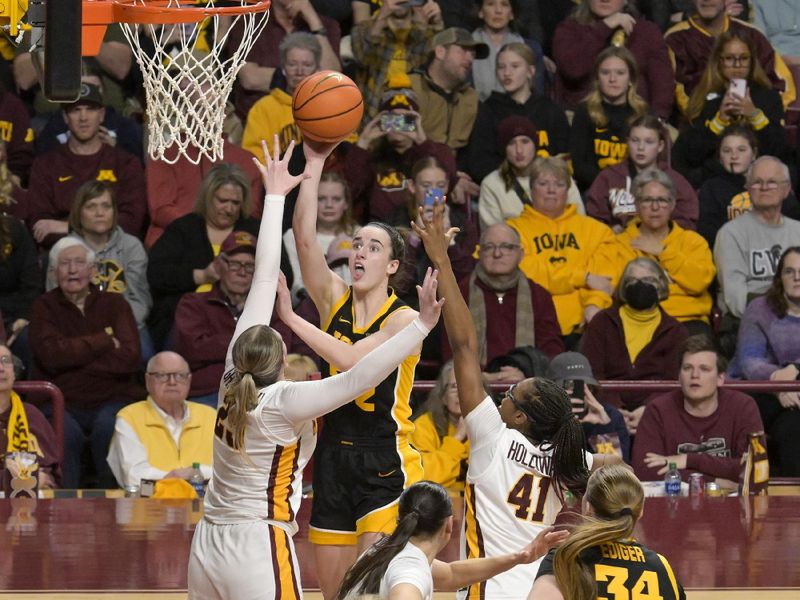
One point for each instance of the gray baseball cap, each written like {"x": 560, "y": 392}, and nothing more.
{"x": 569, "y": 366}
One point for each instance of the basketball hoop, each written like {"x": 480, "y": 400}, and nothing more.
{"x": 187, "y": 77}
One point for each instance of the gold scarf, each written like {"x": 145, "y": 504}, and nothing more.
{"x": 20, "y": 438}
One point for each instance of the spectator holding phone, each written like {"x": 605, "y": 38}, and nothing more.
{"x": 380, "y": 162}
{"x": 603, "y": 424}
{"x": 429, "y": 185}
{"x": 733, "y": 89}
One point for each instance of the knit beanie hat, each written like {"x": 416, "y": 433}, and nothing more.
{"x": 513, "y": 126}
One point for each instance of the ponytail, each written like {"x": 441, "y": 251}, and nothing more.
{"x": 617, "y": 498}
{"x": 240, "y": 398}
{"x": 257, "y": 356}
{"x": 367, "y": 572}
{"x": 569, "y": 458}
{"x": 423, "y": 509}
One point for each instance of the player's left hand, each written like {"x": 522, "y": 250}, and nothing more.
{"x": 275, "y": 170}
{"x": 432, "y": 233}
{"x": 541, "y": 544}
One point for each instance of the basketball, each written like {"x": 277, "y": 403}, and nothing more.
{"x": 327, "y": 106}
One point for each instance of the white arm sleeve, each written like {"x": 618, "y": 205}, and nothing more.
{"x": 484, "y": 428}
{"x": 261, "y": 299}
{"x": 304, "y": 400}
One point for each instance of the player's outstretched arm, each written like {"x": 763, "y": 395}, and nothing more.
{"x": 457, "y": 318}
{"x": 323, "y": 285}
{"x": 278, "y": 182}
{"x": 310, "y": 399}
{"x": 461, "y": 573}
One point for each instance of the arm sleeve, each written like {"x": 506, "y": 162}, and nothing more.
{"x": 482, "y": 156}
{"x": 581, "y": 149}
{"x": 138, "y": 292}
{"x": 712, "y": 214}
{"x": 304, "y": 400}
{"x": 489, "y": 211}
{"x": 687, "y": 208}
{"x": 484, "y": 428}
{"x": 658, "y": 71}
{"x": 597, "y": 200}
{"x": 261, "y": 299}
{"x": 127, "y": 457}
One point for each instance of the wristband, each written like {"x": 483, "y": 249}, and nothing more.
{"x": 320, "y": 31}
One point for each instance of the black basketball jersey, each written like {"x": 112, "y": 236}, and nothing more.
{"x": 626, "y": 569}
{"x": 385, "y": 410}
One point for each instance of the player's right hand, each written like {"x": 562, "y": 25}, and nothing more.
{"x": 429, "y": 307}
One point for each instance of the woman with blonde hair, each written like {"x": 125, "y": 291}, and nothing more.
{"x": 186, "y": 256}
{"x": 601, "y": 123}
{"x": 582, "y": 568}
{"x": 515, "y": 72}
{"x": 266, "y": 430}
{"x": 734, "y": 89}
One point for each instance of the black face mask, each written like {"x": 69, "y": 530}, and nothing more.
{"x": 640, "y": 295}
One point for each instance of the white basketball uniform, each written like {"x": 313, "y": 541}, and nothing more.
{"x": 509, "y": 498}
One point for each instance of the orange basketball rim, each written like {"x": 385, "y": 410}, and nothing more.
{"x": 99, "y": 14}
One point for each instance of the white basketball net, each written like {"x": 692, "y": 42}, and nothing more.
{"x": 186, "y": 85}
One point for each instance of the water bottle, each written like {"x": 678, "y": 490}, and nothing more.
{"x": 197, "y": 480}
{"x": 672, "y": 481}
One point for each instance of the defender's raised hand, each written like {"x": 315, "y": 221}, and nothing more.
{"x": 433, "y": 234}
{"x": 275, "y": 170}
{"x": 429, "y": 307}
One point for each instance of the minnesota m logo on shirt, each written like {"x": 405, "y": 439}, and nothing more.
{"x": 106, "y": 175}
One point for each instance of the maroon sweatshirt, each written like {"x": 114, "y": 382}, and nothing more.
{"x": 609, "y": 199}
{"x": 57, "y": 175}
{"x": 15, "y": 129}
{"x": 76, "y": 352}
{"x": 576, "y": 47}
{"x": 603, "y": 343}
{"x": 713, "y": 445}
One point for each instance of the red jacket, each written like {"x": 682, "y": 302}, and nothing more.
{"x": 603, "y": 344}
{"x": 501, "y": 321}
{"x": 57, "y": 175}
{"x": 576, "y": 46}
{"x": 714, "y": 445}
{"x": 76, "y": 351}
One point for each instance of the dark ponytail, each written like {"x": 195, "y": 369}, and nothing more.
{"x": 423, "y": 509}
{"x": 553, "y": 425}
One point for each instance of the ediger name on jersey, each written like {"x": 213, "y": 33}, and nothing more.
{"x": 521, "y": 455}
{"x": 622, "y": 552}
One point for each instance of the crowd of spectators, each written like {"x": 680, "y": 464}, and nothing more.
{"x": 621, "y": 176}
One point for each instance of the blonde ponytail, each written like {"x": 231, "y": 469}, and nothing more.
{"x": 617, "y": 498}
{"x": 258, "y": 359}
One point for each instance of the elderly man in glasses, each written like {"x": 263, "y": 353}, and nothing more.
{"x": 86, "y": 342}
{"x": 509, "y": 310}
{"x": 204, "y": 322}
{"x": 747, "y": 249}
{"x": 164, "y": 434}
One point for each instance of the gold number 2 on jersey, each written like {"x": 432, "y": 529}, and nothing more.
{"x": 522, "y": 496}
{"x": 645, "y": 588}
